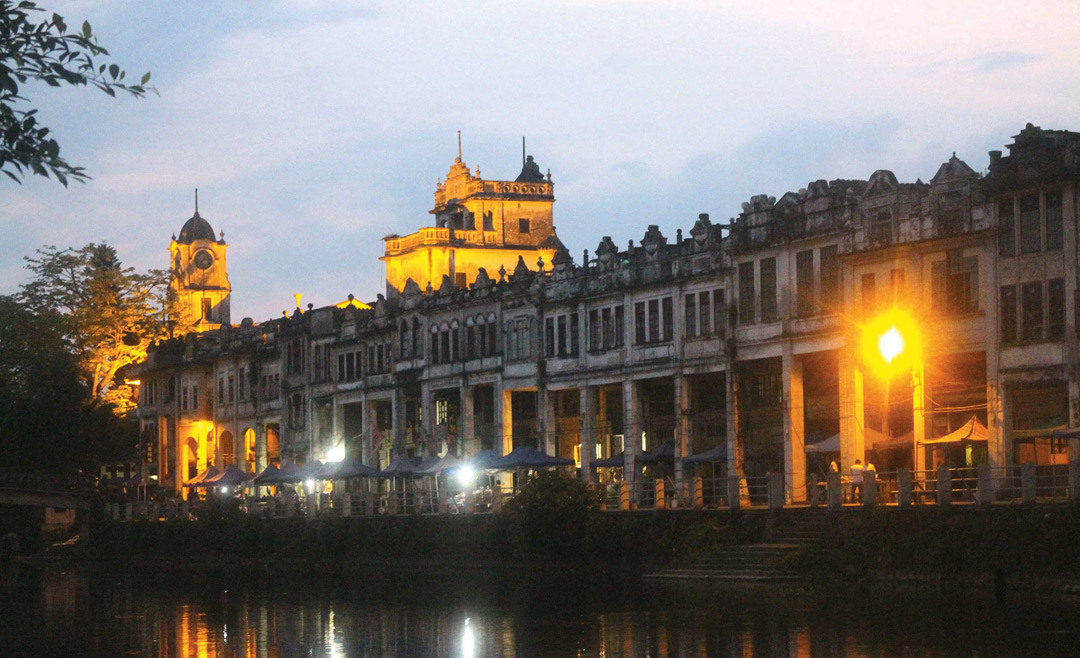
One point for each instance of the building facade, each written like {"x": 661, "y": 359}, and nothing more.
{"x": 748, "y": 337}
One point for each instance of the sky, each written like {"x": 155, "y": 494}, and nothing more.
{"x": 313, "y": 128}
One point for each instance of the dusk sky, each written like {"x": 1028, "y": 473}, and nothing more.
{"x": 314, "y": 128}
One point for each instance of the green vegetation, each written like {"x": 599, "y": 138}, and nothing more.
{"x": 45, "y": 51}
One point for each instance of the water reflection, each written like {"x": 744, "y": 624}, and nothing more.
{"x": 75, "y": 614}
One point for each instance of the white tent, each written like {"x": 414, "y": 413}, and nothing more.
{"x": 972, "y": 430}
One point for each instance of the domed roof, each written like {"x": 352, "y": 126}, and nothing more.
{"x": 196, "y": 228}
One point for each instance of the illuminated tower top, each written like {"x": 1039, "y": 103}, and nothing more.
{"x": 478, "y": 224}
{"x": 199, "y": 278}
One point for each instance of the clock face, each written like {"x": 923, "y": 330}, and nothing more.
{"x": 203, "y": 260}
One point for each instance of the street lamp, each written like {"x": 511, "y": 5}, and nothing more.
{"x": 890, "y": 343}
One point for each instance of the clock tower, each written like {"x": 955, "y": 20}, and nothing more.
{"x": 199, "y": 279}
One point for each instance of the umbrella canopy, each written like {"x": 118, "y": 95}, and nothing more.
{"x": 528, "y": 457}
{"x": 614, "y": 461}
{"x": 268, "y": 475}
{"x": 831, "y": 444}
{"x": 439, "y": 465}
{"x": 972, "y": 430}
{"x": 718, "y": 453}
{"x": 232, "y": 476}
{"x": 346, "y": 469}
{"x": 666, "y": 452}
{"x": 482, "y": 459}
{"x": 290, "y": 473}
{"x": 199, "y": 478}
{"x": 312, "y": 470}
{"x": 401, "y": 467}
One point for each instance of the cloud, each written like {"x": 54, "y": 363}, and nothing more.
{"x": 1003, "y": 59}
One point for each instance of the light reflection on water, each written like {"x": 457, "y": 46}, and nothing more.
{"x": 73, "y": 614}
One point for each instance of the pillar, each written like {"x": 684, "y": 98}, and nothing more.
{"x": 546, "y": 422}
{"x": 631, "y": 434}
{"x": 587, "y": 405}
{"x": 367, "y": 422}
{"x": 794, "y": 426}
{"x": 995, "y": 422}
{"x": 852, "y": 421}
{"x": 734, "y": 452}
{"x": 684, "y": 442}
{"x": 427, "y": 419}
{"x": 918, "y": 404}
{"x": 504, "y": 421}
{"x": 467, "y": 422}
{"x": 398, "y": 412}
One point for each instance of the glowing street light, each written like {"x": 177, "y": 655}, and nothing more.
{"x": 891, "y": 344}
{"x": 466, "y": 475}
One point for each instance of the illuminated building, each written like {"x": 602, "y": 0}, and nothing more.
{"x": 199, "y": 280}
{"x": 746, "y": 335}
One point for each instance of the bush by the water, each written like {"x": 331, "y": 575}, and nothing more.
{"x": 550, "y": 517}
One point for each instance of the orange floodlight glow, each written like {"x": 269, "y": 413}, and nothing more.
{"x": 891, "y": 343}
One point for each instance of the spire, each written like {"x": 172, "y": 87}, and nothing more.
{"x": 459, "y": 146}
{"x": 196, "y": 201}
{"x": 523, "y": 151}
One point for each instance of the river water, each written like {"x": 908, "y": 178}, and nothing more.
{"x": 77, "y": 613}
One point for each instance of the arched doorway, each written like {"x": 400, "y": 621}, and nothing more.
{"x": 249, "y": 450}
{"x": 273, "y": 444}
{"x": 191, "y": 458}
{"x": 228, "y": 449}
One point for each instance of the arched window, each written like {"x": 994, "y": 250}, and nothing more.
{"x": 416, "y": 336}
{"x": 403, "y": 338}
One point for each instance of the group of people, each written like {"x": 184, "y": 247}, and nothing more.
{"x": 858, "y": 472}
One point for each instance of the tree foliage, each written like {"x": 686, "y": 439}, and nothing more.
{"x": 550, "y": 516}
{"x": 48, "y": 420}
{"x": 44, "y": 50}
{"x": 107, "y": 314}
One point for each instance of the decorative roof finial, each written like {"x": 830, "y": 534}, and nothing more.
{"x": 459, "y": 146}
{"x": 196, "y": 201}
{"x": 523, "y": 150}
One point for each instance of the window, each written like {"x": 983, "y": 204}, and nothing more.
{"x": 170, "y": 390}
{"x": 596, "y": 336}
{"x": 962, "y": 283}
{"x": 470, "y": 342}
{"x": 606, "y": 328}
{"x": 1008, "y": 314}
{"x": 271, "y": 386}
{"x": 1030, "y": 229}
{"x": 232, "y": 386}
{"x": 441, "y": 411}
{"x": 523, "y": 226}
{"x": 1006, "y": 228}
{"x": 242, "y": 383}
{"x": 769, "y": 311}
{"x": 654, "y": 320}
{"x": 183, "y": 398}
{"x": 296, "y": 411}
{"x": 294, "y": 358}
{"x": 519, "y": 344}
{"x": 881, "y": 227}
{"x": 869, "y": 294}
{"x": 705, "y": 304}
{"x": 461, "y": 280}
{"x": 1054, "y": 236}
{"x": 560, "y": 335}
{"x": 719, "y": 323}
{"x": 221, "y": 389}
{"x": 575, "y": 328}
{"x": 403, "y": 338}
{"x": 896, "y": 286}
{"x": 691, "y": 312}
{"x": 549, "y": 337}
{"x": 804, "y": 283}
{"x": 206, "y": 309}
{"x": 1031, "y": 311}
{"x": 563, "y": 342}
{"x": 1055, "y": 309}
{"x": 195, "y": 397}
{"x": 746, "y": 293}
{"x": 830, "y": 277}
{"x": 348, "y": 367}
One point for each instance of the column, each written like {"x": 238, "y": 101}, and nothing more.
{"x": 851, "y": 406}
{"x": 995, "y": 421}
{"x": 588, "y": 431}
{"x": 546, "y": 422}
{"x": 794, "y": 427}
{"x": 631, "y": 434}
{"x": 427, "y": 419}
{"x": 367, "y": 421}
{"x": 684, "y": 442}
{"x": 467, "y": 422}
{"x": 504, "y": 420}
{"x": 397, "y": 445}
{"x": 260, "y": 447}
{"x": 734, "y": 449}
{"x": 918, "y": 404}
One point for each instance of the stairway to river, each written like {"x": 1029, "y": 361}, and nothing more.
{"x": 763, "y": 562}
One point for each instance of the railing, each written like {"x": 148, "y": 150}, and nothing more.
{"x": 984, "y": 485}
{"x": 433, "y": 235}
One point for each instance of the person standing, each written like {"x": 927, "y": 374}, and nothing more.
{"x": 856, "y": 481}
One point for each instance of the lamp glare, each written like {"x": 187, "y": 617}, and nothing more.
{"x": 891, "y": 344}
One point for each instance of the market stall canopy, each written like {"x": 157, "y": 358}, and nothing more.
{"x": 232, "y": 476}
{"x": 666, "y": 452}
{"x": 614, "y": 461}
{"x": 401, "y": 467}
{"x": 972, "y": 430}
{"x": 719, "y": 453}
{"x": 290, "y": 473}
{"x": 482, "y": 459}
{"x": 528, "y": 457}
{"x": 346, "y": 469}
{"x": 831, "y": 444}
{"x": 199, "y": 478}
{"x": 439, "y": 465}
{"x": 268, "y": 475}
{"x": 312, "y": 470}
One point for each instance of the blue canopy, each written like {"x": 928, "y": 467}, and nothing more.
{"x": 289, "y": 473}
{"x": 267, "y": 476}
{"x": 200, "y": 478}
{"x": 527, "y": 457}
{"x": 438, "y": 465}
{"x": 718, "y": 453}
{"x": 401, "y": 467}
{"x": 665, "y": 453}
{"x": 614, "y": 461}
{"x": 346, "y": 469}
{"x": 232, "y": 476}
